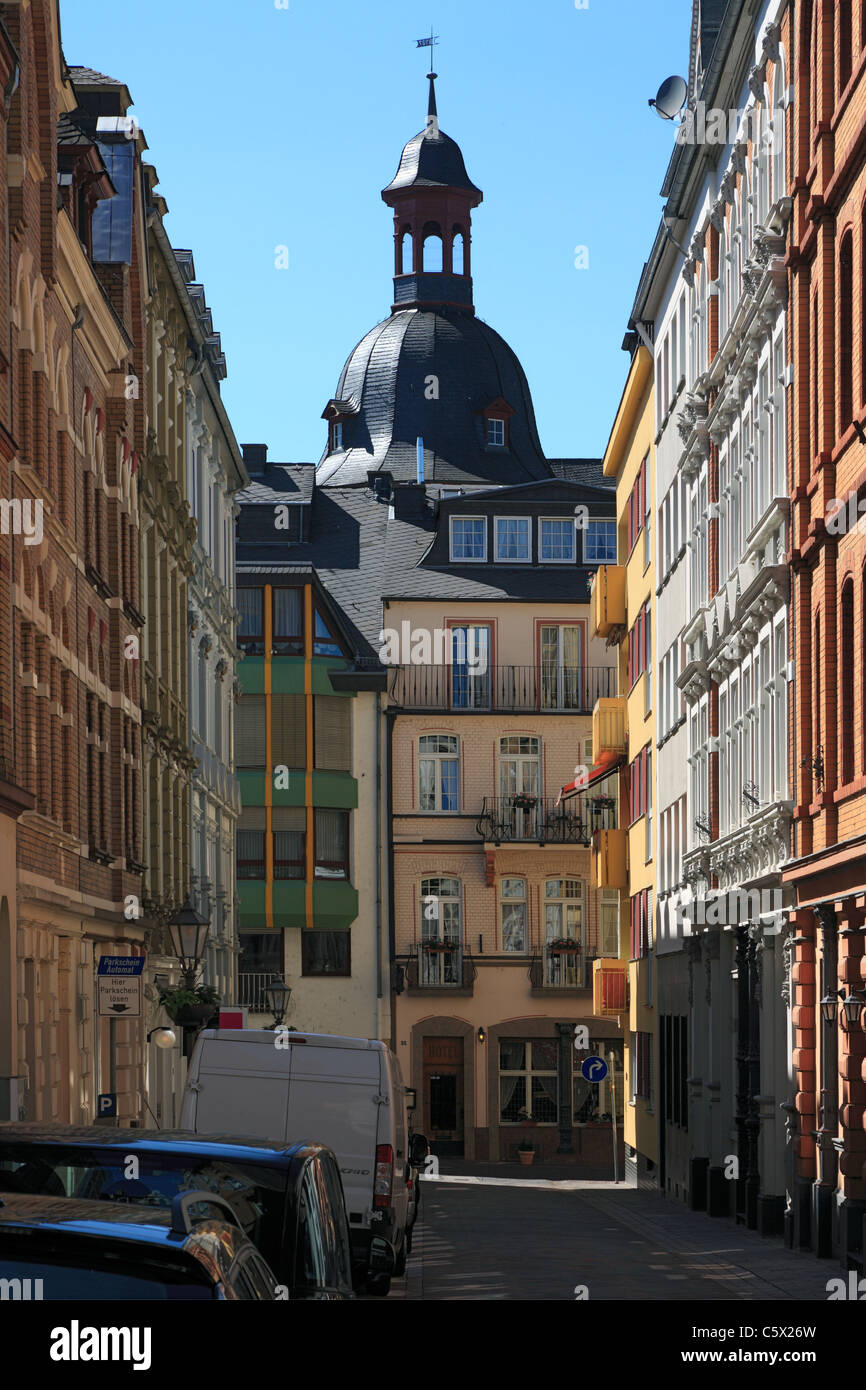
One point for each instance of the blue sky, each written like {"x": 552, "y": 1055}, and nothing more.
{"x": 279, "y": 126}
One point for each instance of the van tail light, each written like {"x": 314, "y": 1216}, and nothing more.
{"x": 384, "y": 1175}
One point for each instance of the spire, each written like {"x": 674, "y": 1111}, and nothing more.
{"x": 432, "y": 131}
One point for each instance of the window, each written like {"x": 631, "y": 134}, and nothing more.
{"x": 332, "y": 723}
{"x": 561, "y": 666}
{"x": 438, "y": 772}
{"x": 288, "y": 622}
{"x": 496, "y": 431}
{"x": 846, "y": 682}
{"x": 289, "y": 827}
{"x": 846, "y": 332}
{"x": 251, "y": 627}
{"x": 441, "y": 932}
{"x": 640, "y": 908}
{"x": 250, "y": 732}
{"x": 528, "y": 1081}
{"x": 641, "y": 1076}
{"x": 513, "y": 539}
{"x": 513, "y": 916}
{"x": 336, "y": 436}
{"x": 556, "y": 540}
{"x": 288, "y": 731}
{"x": 332, "y": 844}
{"x": 251, "y": 842}
{"x": 469, "y": 538}
{"x": 325, "y": 643}
{"x": 563, "y": 929}
{"x": 519, "y": 779}
{"x": 470, "y": 667}
{"x": 326, "y": 953}
{"x": 599, "y": 545}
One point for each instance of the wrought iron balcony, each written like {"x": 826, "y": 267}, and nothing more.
{"x": 523, "y": 818}
{"x": 468, "y": 690}
{"x": 438, "y": 967}
{"x": 559, "y": 969}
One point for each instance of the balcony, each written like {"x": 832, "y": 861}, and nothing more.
{"x": 608, "y": 600}
{"x": 439, "y": 968}
{"x": 610, "y": 728}
{"x": 559, "y": 970}
{"x": 521, "y": 819}
{"x": 609, "y": 988}
{"x": 251, "y": 988}
{"x": 467, "y": 690}
{"x": 610, "y": 858}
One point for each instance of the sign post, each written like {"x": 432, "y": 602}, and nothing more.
{"x": 595, "y": 1069}
{"x": 118, "y": 980}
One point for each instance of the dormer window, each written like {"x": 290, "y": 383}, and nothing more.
{"x": 496, "y": 431}
{"x": 469, "y": 538}
{"x": 513, "y": 539}
{"x": 495, "y": 419}
{"x": 336, "y": 436}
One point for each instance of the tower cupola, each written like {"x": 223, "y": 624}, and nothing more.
{"x": 432, "y": 197}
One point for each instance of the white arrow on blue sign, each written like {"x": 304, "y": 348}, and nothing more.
{"x": 593, "y": 1069}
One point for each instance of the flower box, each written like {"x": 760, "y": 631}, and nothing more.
{"x": 562, "y": 946}
{"x": 523, "y": 801}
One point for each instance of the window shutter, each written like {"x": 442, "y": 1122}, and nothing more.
{"x": 332, "y": 733}
{"x": 250, "y": 732}
{"x": 288, "y": 731}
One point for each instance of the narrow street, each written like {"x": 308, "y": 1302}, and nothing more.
{"x": 523, "y": 1239}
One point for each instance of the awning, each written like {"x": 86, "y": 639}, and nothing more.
{"x": 601, "y": 768}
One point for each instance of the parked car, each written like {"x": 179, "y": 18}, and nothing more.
{"x": 287, "y": 1197}
{"x": 88, "y": 1250}
{"x": 347, "y": 1092}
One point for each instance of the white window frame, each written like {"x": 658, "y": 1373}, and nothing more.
{"x": 568, "y": 522}
{"x": 492, "y": 422}
{"x": 599, "y": 521}
{"x": 437, "y": 759}
{"x": 465, "y": 559}
{"x": 510, "y": 559}
{"x": 510, "y": 899}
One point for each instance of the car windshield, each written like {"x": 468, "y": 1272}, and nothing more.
{"x": 255, "y": 1192}
{"x": 83, "y": 1270}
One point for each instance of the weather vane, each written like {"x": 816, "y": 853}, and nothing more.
{"x": 428, "y": 43}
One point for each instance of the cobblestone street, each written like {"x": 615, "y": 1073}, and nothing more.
{"x": 513, "y": 1238}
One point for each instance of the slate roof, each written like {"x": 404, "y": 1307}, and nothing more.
{"x": 283, "y": 483}
{"x": 89, "y": 77}
{"x": 585, "y": 471}
{"x": 70, "y": 133}
{"x": 431, "y": 163}
{"x": 387, "y": 375}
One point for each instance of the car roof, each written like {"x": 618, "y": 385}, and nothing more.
{"x": 84, "y": 1217}
{"x": 237, "y": 1146}
{"x": 265, "y": 1035}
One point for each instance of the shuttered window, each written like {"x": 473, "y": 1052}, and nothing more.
{"x": 332, "y": 844}
{"x": 250, "y": 732}
{"x": 289, "y": 824}
{"x": 251, "y": 842}
{"x": 288, "y": 731}
{"x": 333, "y": 743}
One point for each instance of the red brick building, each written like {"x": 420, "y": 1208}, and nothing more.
{"x": 827, "y": 262}
{"x": 71, "y": 434}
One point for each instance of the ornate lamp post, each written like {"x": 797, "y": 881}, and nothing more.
{"x": 188, "y": 931}
{"x": 277, "y": 995}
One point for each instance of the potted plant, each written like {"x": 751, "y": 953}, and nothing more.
{"x": 524, "y": 801}
{"x": 189, "y": 1006}
{"x": 525, "y": 1152}
{"x": 563, "y": 943}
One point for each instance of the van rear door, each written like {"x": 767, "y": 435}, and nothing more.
{"x": 242, "y": 1088}
{"x": 332, "y": 1100}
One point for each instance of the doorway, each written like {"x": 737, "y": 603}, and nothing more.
{"x": 443, "y": 1095}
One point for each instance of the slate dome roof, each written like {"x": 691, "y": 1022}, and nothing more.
{"x": 386, "y": 400}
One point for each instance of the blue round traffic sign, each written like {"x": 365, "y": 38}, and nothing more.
{"x": 593, "y": 1069}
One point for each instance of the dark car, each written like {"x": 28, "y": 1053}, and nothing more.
{"x": 59, "y": 1248}
{"x": 288, "y": 1198}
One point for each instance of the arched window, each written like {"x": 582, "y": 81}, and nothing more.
{"x": 846, "y": 682}
{"x": 406, "y": 253}
{"x": 846, "y": 331}
{"x": 432, "y": 249}
{"x": 441, "y": 932}
{"x": 863, "y": 304}
{"x": 458, "y": 252}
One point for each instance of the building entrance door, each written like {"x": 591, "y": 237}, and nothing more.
{"x": 443, "y": 1094}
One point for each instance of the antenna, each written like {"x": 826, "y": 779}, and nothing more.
{"x": 670, "y": 98}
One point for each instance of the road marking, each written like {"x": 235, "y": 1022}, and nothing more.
{"x": 545, "y": 1184}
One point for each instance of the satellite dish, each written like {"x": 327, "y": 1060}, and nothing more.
{"x": 670, "y": 97}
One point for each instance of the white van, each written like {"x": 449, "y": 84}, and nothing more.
{"x": 347, "y": 1093}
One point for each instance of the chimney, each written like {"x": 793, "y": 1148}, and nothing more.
{"x": 255, "y": 458}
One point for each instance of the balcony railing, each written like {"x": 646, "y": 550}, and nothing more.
{"x": 472, "y": 690}
{"x": 523, "y": 818}
{"x": 441, "y": 968}
{"x": 559, "y": 969}
{"x": 252, "y": 986}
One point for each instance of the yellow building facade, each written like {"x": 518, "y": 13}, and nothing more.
{"x": 623, "y": 613}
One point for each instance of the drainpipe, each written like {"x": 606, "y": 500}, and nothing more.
{"x": 378, "y": 723}
{"x": 392, "y": 935}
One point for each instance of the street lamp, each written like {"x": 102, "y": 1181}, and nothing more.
{"x": 188, "y": 931}
{"x": 853, "y": 1005}
{"x": 829, "y": 1005}
{"x": 277, "y": 999}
